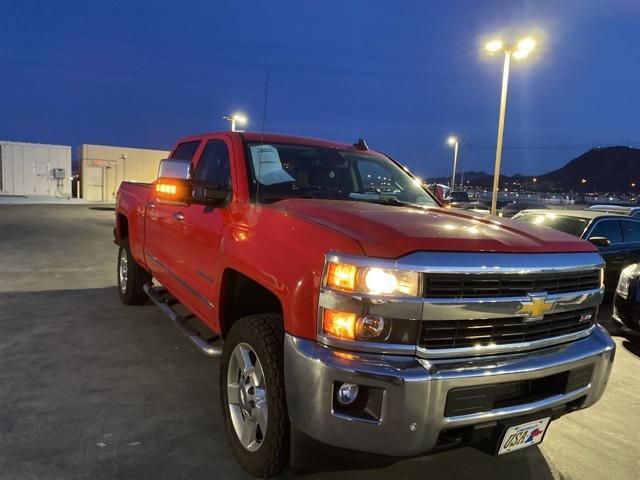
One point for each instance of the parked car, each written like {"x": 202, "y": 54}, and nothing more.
{"x": 626, "y": 302}
{"x": 441, "y": 192}
{"x": 619, "y": 209}
{"x": 459, "y": 196}
{"x": 617, "y": 237}
{"x": 460, "y": 199}
{"x": 510, "y": 209}
{"x": 348, "y": 305}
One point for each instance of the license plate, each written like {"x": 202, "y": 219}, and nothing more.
{"x": 523, "y": 435}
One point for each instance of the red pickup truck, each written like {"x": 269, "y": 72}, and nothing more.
{"x": 349, "y": 305}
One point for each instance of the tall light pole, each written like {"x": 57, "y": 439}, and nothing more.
{"x": 236, "y": 118}
{"x": 453, "y": 141}
{"x": 518, "y": 51}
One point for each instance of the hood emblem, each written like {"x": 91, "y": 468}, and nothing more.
{"x": 537, "y": 306}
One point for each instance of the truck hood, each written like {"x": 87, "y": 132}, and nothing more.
{"x": 392, "y": 231}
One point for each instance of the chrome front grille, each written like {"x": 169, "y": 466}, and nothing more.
{"x": 440, "y": 334}
{"x": 444, "y": 285}
{"x": 478, "y": 303}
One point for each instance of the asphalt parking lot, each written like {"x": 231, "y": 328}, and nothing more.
{"x": 90, "y": 388}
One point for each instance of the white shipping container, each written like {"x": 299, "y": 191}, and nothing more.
{"x": 35, "y": 169}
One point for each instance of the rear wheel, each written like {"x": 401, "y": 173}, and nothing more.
{"x": 253, "y": 395}
{"x": 131, "y": 277}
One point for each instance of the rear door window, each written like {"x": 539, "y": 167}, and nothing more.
{"x": 609, "y": 229}
{"x": 186, "y": 150}
{"x": 631, "y": 231}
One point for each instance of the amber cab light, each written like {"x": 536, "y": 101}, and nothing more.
{"x": 173, "y": 190}
{"x": 166, "y": 188}
{"x": 342, "y": 276}
{"x": 339, "y": 324}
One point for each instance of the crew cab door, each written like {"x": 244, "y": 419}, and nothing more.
{"x": 200, "y": 229}
{"x": 631, "y": 238}
{"x": 162, "y": 235}
{"x": 616, "y": 255}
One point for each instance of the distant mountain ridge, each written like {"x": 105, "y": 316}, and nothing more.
{"x": 606, "y": 169}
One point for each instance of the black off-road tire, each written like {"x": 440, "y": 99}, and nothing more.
{"x": 264, "y": 333}
{"x": 131, "y": 291}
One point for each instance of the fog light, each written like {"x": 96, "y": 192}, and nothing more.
{"x": 372, "y": 328}
{"x": 586, "y": 317}
{"x": 347, "y": 393}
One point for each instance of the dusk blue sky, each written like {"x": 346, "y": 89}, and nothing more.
{"x": 401, "y": 74}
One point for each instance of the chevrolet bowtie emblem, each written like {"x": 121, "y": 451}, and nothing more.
{"x": 537, "y": 307}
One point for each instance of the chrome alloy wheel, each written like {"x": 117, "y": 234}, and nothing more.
{"x": 122, "y": 270}
{"x": 247, "y": 397}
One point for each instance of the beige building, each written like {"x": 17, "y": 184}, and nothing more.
{"x": 102, "y": 168}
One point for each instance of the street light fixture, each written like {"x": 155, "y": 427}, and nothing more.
{"x": 519, "y": 51}
{"x": 453, "y": 141}
{"x": 236, "y": 118}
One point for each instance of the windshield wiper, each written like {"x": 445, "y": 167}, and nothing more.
{"x": 389, "y": 201}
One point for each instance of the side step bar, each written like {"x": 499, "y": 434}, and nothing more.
{"x": 159, "y": 296}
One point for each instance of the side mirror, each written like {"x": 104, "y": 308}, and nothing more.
{"x": 173, "y": 183}
{"x": 173, "y": 168}
{"x": 600, "y": 241}
{"x": 209, "y": 193}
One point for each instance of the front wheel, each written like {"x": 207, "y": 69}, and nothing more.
{"x": 253, "y": 394}
{"x": 131, "y": 277}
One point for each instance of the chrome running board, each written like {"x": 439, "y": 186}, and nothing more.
{"x": 166, "y": 302}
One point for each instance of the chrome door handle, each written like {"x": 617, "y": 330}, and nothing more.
{"x": 151, "y": 205}
{"x": 177, "y": 215}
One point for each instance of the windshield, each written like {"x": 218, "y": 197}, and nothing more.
{"x": 573, "y": 225}
{"x": 459, "y": 197}
{"x": 282, "y": 170}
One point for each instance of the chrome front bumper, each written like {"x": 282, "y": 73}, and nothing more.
{"x": 415, "y": 390}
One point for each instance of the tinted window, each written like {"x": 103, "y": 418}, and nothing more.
{"x": 213, "y": 166}
{"x": 631, "y": 231}
{"x": 459, "y": 197}
{"x": 186, "y": 151}
{"x": 609, "y": 229}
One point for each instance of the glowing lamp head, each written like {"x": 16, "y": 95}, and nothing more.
{"x": 240, "y": 118}
{"x": 494, "y": 46}
{"x": 527, "y": 44}
{"x": 524, "y": 48}
{"x": 452, "y": 140}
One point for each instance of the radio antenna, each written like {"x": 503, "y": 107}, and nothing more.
{"x": 264, "y": 121}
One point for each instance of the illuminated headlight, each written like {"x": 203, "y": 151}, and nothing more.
{"x": 373, "y": 280}
{"x": 368, "y": 328}
{"x": 623, "y": 283}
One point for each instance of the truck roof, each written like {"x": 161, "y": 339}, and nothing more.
{"x": 268, "y": 137}
{"x": 586, "y": 214}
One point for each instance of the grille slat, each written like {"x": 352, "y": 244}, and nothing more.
{"x": 444, "y": 285}
{"x": 439, "y": 334}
